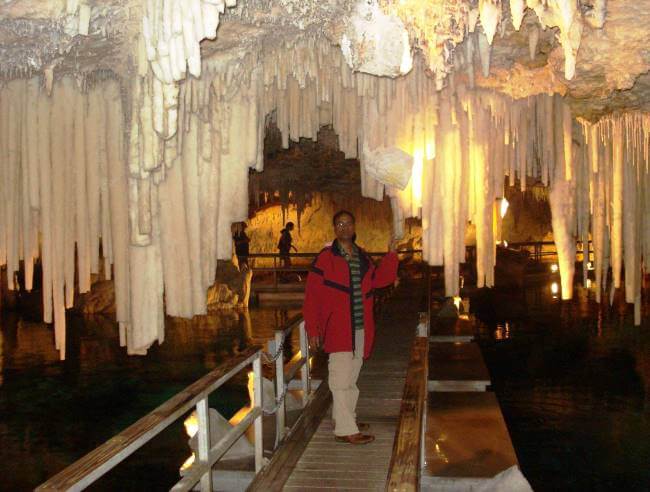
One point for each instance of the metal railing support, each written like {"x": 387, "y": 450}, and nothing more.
{"x": 280, "y": 415}
{"x": 304, "y": 370}
{"x": 257, "y": 402}
{"x": 203, "y": 414}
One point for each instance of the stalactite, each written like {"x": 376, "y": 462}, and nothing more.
{"x": 161, "y": 211}
{"x": 619, "y": 174}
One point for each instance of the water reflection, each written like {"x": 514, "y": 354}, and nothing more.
{"x": 502, "y": 331}
{"x": 55, "y": 411}
{"x": 573, "y": 381}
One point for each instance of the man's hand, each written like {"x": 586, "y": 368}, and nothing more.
{"x": 392, "y": 245}
{"x": 314, "y": 343}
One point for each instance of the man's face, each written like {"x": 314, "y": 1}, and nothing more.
{"x": 344, "y": 227}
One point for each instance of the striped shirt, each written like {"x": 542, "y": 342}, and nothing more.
{"x": 355, "y": 284}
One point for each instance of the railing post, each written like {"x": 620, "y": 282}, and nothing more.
{"x": 257, "y": 402}
{"x": 275, "y": 273}
{"x": 304, "y": 370}
{"x": 203, "y": 416}
{"x": 279, "y": 388}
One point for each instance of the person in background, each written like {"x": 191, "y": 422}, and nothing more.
{"x": 338, "y": 313}
{"x": 284, "y": 245}
{"x": 242, "y": 244}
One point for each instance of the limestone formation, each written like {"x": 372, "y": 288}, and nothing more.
{"x": 130, "y": 126}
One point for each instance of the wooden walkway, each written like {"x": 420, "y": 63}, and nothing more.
{"x": 467, "y": 441}
{"x": 327, "y": 465}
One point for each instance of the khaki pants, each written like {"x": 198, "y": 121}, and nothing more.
{"x": 344, "y": 370}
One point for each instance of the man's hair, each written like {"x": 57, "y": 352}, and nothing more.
{"x": 288, "y": 225}
{"x": 338, "y": 214}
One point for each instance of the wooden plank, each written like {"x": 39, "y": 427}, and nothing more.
{"x": 467, "y": 436}
{"x": 308, "y": 483}
{"x": 404, "y": 472}
{"x": 96, "y": 463}
{"x": 453, "y": 327}
{"x": 274, "y": 475}
{"x": 457, "y": 362}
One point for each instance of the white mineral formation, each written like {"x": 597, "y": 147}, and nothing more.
{"x": 375, "y": 42}
{"x": 152, "y": 169}
{"x": 391, "y": 167}
{"x": 490, "y": 15}
{"x": 517, "y": 10}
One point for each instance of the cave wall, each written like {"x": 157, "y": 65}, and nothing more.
{"x": 314, "y": 226}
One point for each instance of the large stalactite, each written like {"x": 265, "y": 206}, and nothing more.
{"x": 102, "y": 164}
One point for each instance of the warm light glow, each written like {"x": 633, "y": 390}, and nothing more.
{"x": 555, "y": 288}
{"x": 431, "y": 150}
{"x": 188, "y": 463}
{"x": 502, "y": 332}
{"x": 590, "y": 266}
{"x": 239, "y": 416}
{"x": 554, "y": 268}
{"x": 407, "y": 60}
{"x": 416, "y": 177}
{"x": 251, "y": 386}
{"x": 505, "y": 243}
{"x": 504, "y": 207}
{"x": 191, "y": 425}
{"x": 457, "y": 301}
{"x": 588, "y": 283}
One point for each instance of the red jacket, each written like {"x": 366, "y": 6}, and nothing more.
{"x": 328, "y": 298}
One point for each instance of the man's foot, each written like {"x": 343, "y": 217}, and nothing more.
{"x": 362, "y": 426}
{"x": 357, "y": 438}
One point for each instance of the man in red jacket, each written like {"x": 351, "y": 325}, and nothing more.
{"x": 338, "y": 312}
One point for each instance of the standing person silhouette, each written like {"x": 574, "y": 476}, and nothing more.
{"x": 242, "y": 243}
{"x": 284, "y": 245}
{"x": 338, "y": 312}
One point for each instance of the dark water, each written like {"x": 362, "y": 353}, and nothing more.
{"x": 573, "y": 381}
{"x": 53, "y": 412}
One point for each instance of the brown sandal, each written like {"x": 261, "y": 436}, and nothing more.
{"x": 357, "y": 438}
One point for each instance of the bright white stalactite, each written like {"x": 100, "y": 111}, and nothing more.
{"x": 162, "y": 210}
{"x": 617, "y": 165}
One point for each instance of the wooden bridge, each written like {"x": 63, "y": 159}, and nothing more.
{"x": 424, "y": 397}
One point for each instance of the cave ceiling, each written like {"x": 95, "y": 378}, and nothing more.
{"x": 611, "y": 69}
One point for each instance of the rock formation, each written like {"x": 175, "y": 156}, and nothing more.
{"x": 132, "y": 125}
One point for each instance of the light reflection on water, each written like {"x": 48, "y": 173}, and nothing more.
{"x": 52, "y": 412}
{"x": 573, "y": 382}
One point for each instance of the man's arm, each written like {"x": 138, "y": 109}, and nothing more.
{"x": 386, "y": 273}
{"x": 311, "y": 308}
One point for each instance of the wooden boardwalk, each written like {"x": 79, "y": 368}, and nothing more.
{"x": 327, "y": 465}
{"x": 467, "y": 441}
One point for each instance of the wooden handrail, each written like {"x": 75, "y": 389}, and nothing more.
{"x": 311, "y": 255}
{"x": 404, "y": 471}
{"x": 98, "y": 462}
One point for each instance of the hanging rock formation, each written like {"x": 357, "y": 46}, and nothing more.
{"x": 129, "y": 127}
